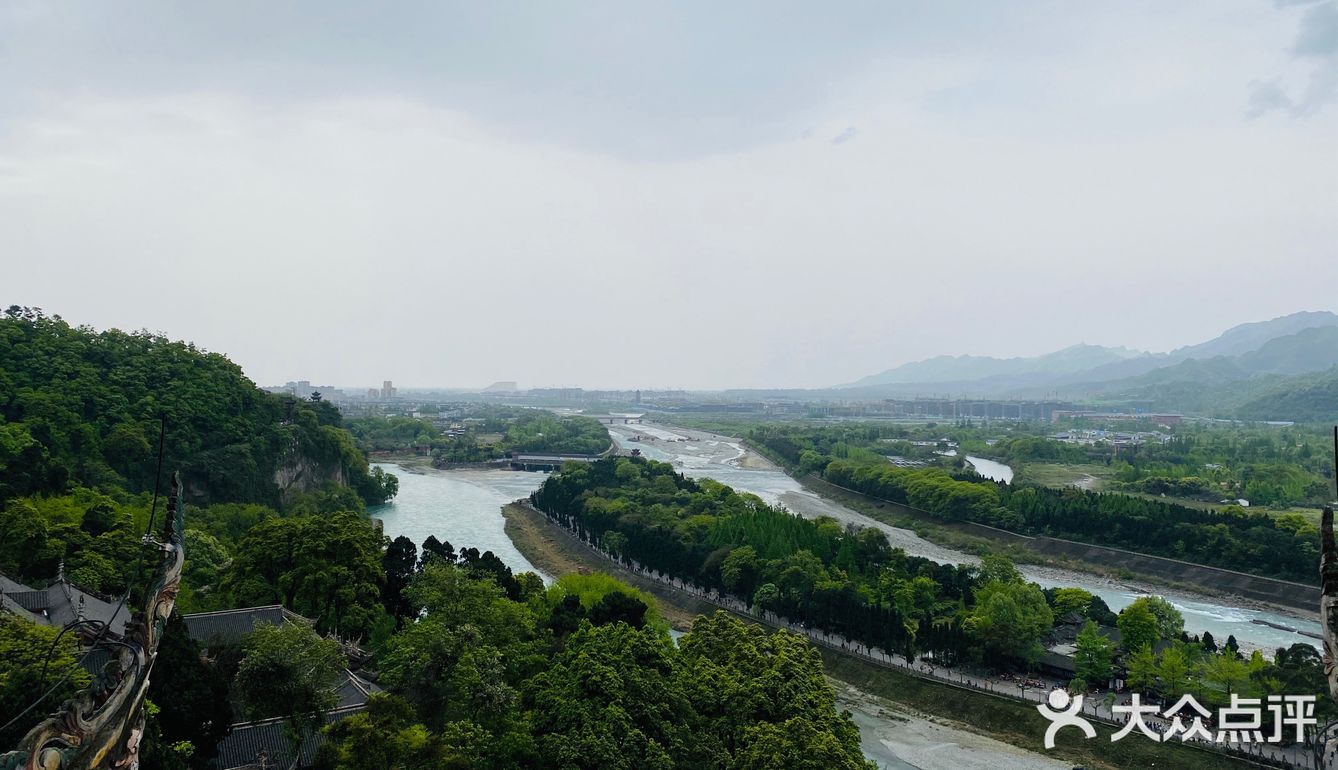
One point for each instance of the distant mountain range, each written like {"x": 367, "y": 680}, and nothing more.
{"x": 1288, "y": 362}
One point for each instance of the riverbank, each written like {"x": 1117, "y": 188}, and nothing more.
{"x": 705, "y": 454}
{"x": 929, "y": 726}
{"x": 554, "y": 553}
{"x": 1119, "y": 567}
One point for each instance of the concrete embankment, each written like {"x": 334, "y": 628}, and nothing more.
{"x": 1215, "y": 580}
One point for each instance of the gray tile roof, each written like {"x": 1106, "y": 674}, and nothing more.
{"x": 227, "y": 627}
{"x": 63, "y": 603}
{"x": 243, "y": 745}
{"x": 354, "y": 691}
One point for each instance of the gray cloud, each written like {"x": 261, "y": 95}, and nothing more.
{"x": 846, "y": 135}
{"x": 1318, "y": 33}
{"x": 1316, "y": 46}
{"x": 615, "y": 192}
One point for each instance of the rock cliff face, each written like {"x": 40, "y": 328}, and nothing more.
{"x": 299, "y": 473}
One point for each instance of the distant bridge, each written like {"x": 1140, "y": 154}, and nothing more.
{"x": 535, "y": 461}
{"x": 615, "y": 418}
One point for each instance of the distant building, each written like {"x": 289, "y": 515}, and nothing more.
{"x": 504, "y": 386}
{"x": 303, "y": 389}
{"x": 388, "y": 390}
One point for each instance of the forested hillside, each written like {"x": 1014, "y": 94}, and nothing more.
{"x": 83, "y": 408}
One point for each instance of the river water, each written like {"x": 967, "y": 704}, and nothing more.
{"x": 464, "y": 507}
{"x": 703, "y": 455}
{"x": 991, "y": 469}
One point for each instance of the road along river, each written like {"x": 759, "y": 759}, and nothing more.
{"x": 703, "y": 455}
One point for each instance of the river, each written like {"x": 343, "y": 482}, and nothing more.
{"x": 702, "y": 455}
{"x": 990, "y": 469}
{"x": 464, "y": 508}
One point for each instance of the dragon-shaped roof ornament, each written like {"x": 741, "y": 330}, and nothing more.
{"x": 101, "y": 727}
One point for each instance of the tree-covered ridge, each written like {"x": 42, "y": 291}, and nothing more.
{"x": 82, "y": 407}
{"x": 1231, "y": 538}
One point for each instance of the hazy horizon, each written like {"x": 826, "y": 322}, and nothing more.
{"x": 688, "y": 196}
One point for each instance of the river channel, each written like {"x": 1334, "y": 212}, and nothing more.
{"x": 464, "y": 508}
{"x": 702, "y": 455}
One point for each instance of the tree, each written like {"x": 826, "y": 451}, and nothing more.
{"x": 1208, "y": 642}
{"x": 287, "y": 671}
{"x": 23, "y": 657}
{"x": 1170, "y": 623}
{"x": 1072, "y": 600}
{"x": 324, "y": 567}
{"x": 1009, "y": 620}
{"x": 1222, "y": 675}
{"x": 1173, "y": 669}
{"x": 1138, "y": 628}
{"x": 609, "y": 700}
{"x": 440, "y": 662}
{"x": 388, "y": 735}
{"x": 999, "y": 569}
{"x": 191, "y": 695}
{"x": 618, "y": 607}
{"x": 739, "y": 571}
{"x": 762, "y": 700}
{"x": 436, "y": 549}
{"x": 1141, "y": 668}
{"x": 400, "y": 564}
{"x": 1093, "y": 655}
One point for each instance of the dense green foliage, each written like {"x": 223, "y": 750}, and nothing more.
{"x": 1265, "y": 465}
{"x": 559, "y": 679}
{"x": 485, "y": 433}
{"x": 95, "y": 535}
{"x": 80, "y": 407}
{"x": 287, "y": 671}
{"x": 80, "y": 413}
{"x": 327, "y": 568}
{"x": 847, "y": 581}
{"x": 23, "y": 659}
{"x": 525, "y": 430}
{"x": 191, "y": 695}
{"x": 1232, "y": 537}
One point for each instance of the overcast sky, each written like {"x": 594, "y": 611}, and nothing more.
{"x": 665, "y": 194}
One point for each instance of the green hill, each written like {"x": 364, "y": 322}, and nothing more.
{"x": 79, "y": 407}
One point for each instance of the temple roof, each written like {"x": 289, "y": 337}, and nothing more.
{"x": 227, "y": 627}
{"x": 61, "y": 604}
{"x": 243, "y": 745}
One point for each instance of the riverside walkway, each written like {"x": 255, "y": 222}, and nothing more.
{"x": 1295, "y": 757}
